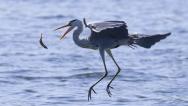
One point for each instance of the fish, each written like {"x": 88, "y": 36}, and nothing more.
{"x": 41, "y": 42}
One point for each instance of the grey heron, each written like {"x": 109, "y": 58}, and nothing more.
{"x": 105, "y": 36}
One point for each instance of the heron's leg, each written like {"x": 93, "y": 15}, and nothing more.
{"x": 119, "y": 69}
{"x": 102, "y": 53}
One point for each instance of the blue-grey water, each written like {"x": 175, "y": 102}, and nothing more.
{"x": 61, "y": 76}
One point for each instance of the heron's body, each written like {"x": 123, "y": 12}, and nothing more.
{"x": 107, "y": 38}
{"x": 108, "y": 35}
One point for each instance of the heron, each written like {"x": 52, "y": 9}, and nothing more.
{"x": 105, "y": 36}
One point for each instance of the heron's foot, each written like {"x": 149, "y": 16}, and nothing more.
{"x": 108, "y": 90}
{"x": 89, "y": 92}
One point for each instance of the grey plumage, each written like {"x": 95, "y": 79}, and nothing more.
{"x": 117, "y": 31}
{"x": 113, "y": 32}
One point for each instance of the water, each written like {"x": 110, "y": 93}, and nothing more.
{"x": 62, "y": 75}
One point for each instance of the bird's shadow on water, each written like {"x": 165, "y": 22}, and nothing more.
{"x": 129, "y": 75}
{"x": 61, "y": 100}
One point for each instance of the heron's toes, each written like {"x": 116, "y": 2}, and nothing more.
{"x": 89, "y": 92}
{"x": 108, "y": 90}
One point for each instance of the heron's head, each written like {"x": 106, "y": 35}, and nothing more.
{"x": 71, "y": 25}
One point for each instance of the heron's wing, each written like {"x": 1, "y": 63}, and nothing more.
{"x": 99, "y": 26}
{"x": 110, "y": 29}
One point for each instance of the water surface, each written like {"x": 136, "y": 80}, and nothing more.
{"x": 62, "y": 75}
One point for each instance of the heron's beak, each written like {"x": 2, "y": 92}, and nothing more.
{"x": 68, "y": 30}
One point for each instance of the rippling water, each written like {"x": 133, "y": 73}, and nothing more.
{"x": 62, "y": 75}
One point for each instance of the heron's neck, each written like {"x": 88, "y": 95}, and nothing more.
{"x": 84, "y": 43}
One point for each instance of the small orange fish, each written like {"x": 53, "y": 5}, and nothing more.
{"x": 41, "y": 42}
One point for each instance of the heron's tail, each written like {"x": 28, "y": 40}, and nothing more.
{"x": 147, "y": 41}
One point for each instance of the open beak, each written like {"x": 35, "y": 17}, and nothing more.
{"x": 68, "y": 30}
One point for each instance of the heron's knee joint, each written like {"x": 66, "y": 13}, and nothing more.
{"x": 119, "y": 69}
{"x": 106, "y": 73}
